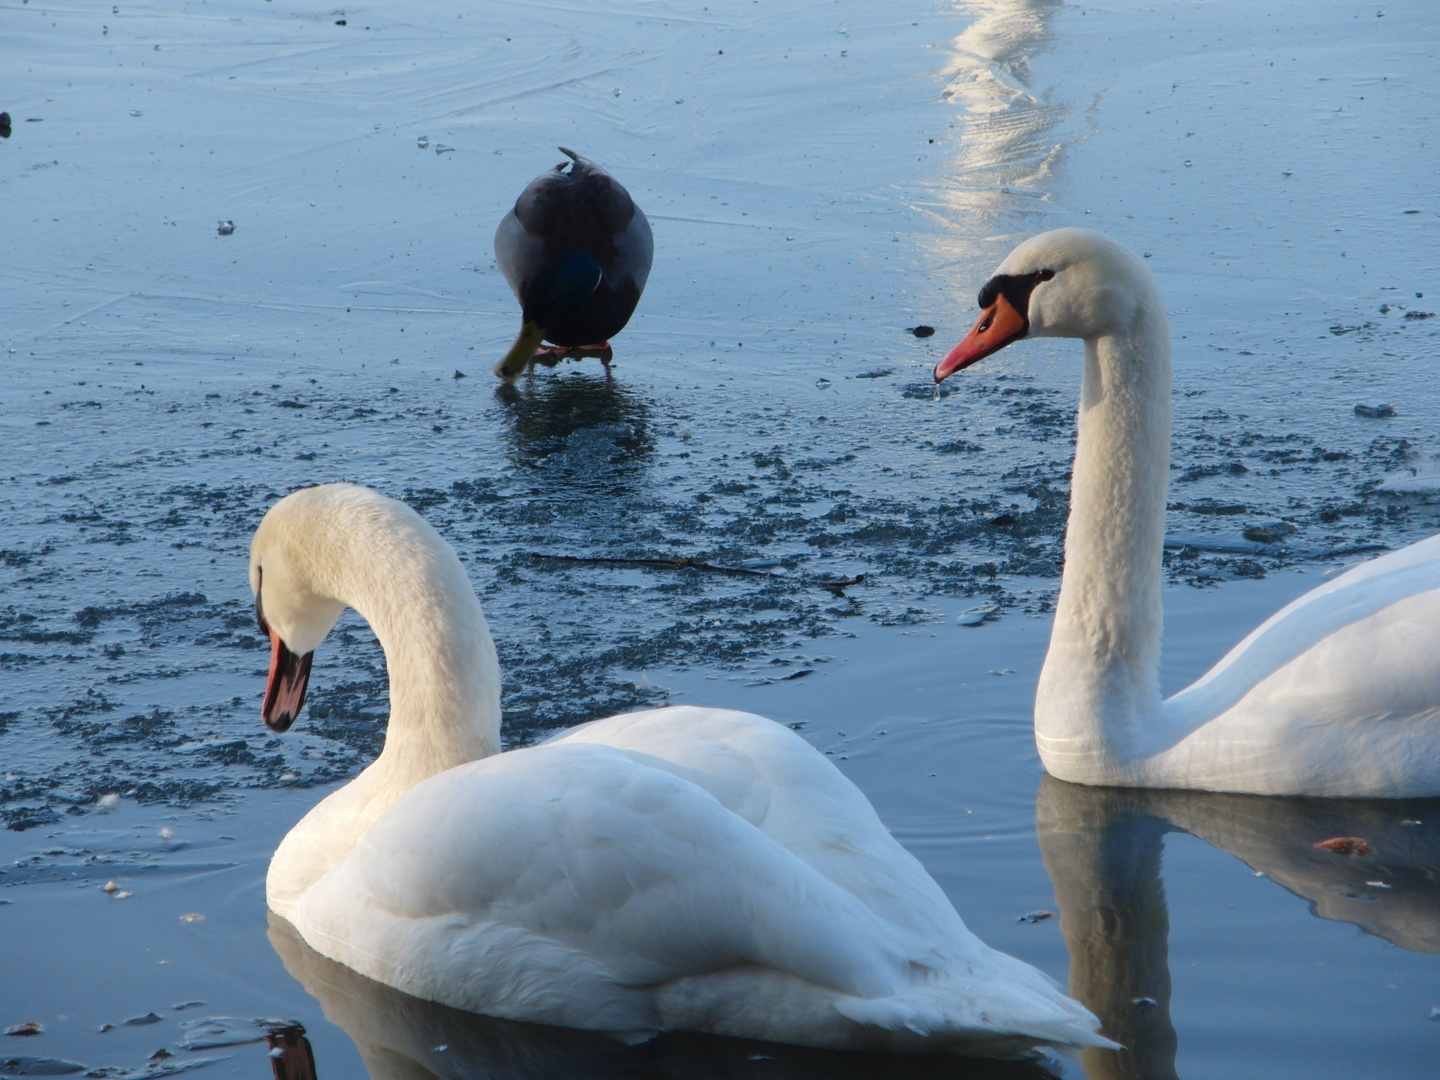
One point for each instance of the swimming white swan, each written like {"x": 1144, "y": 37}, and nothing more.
{"x": 683, "y": 868}
{"x": 1337, "y": 694}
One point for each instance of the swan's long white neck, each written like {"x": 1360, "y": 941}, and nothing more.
{"x": 1099, "y": 687}
{"x": 380, "y": 558}
{"x": 444, "y": 678}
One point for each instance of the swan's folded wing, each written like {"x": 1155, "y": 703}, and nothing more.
{"x": 1374, "y": 594}
{"x": 1357, "y": 714}
{"x": 566, "y": 874}
{"x": 782, "y": 785}
{"x": 1337, "y": 694}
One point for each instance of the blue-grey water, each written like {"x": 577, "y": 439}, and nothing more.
{"x": 821, "y": 178}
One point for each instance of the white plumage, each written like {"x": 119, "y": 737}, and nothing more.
{"x": 1338, "y": 694}
{"x": 682, "y": 868}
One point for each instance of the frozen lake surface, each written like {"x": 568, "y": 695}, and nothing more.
{"x": 821, "y": 178}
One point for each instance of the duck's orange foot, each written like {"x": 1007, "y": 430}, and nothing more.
{"x": 550, "y": 355}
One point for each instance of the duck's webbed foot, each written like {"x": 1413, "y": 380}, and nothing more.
{"x": 550, "y": 355}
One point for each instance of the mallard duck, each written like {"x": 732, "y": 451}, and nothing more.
{"x": 576, "y": 251}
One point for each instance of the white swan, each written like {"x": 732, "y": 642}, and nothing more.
{"x": 683, "y": 868}
{"x": 1337, "y": 694}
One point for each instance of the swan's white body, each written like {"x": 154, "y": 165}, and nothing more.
{"x": 1338, "y": 694}
{"x": 683, "y": 868}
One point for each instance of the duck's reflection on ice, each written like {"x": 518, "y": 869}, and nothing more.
{"x": 403, "y": 1038}
{"x": 578, "y": 429}
{"x": 1102, "y": 849}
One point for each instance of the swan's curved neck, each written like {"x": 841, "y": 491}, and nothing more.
{"x": 1100, "y": 682}
{"x": 444, "y": 676}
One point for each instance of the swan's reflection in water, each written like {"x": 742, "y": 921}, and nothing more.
{"x": 1102, "y": 850}
{"x": 403, "y": 1038}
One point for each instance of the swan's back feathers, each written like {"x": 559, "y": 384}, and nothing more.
{"x": 775, "y": 780}
{"x": 583, "y": 851}
{"x": 1359, "y": 593}
{"x": 1337, "y": 694}
{"x": 1354, "y": 716}
{"x": 630, "y": 876}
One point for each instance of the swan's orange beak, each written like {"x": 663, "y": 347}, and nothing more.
{"x": 998, "y": 325}
{"x": 285, "y": 689}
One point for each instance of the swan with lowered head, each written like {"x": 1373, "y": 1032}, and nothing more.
{"x": 1337, "y": 694}
{"x": 576, "y": 252}
{"x": 682, "y": 869}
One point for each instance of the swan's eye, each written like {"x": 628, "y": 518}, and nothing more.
{"x": 1044, "y": 275}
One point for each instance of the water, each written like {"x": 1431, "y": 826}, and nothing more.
{"x": 769, "y": 409}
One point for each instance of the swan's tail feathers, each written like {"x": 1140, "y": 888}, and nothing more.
{"x": 1003, "y": 1012}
